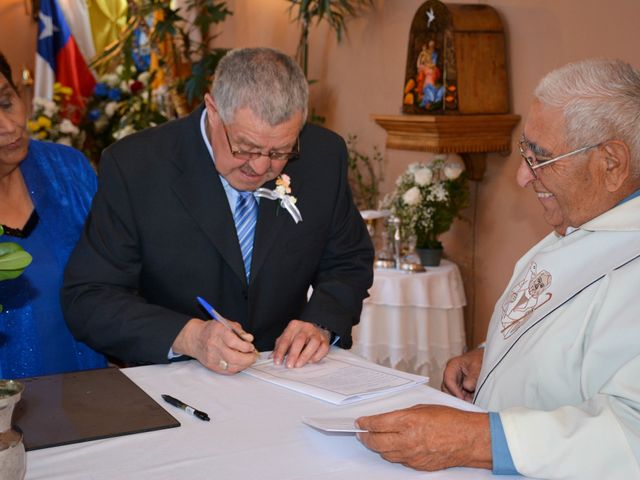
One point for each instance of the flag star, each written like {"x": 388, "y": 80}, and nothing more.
{"x": 430, "y": 17}
{"x": 47, "y": 26}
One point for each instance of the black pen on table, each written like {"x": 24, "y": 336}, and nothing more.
{"x": 177, "y": 403}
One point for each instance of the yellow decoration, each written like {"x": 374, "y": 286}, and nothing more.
{"x": 44, "y": 122}
{"x": 59, "y": 88}
{"x": 108, "y": 18}
{"x": 411, "y": 84}
{"x": 163, "y": 48}
{"x": 408, "y": 99}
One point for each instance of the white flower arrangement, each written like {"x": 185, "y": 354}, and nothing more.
{"x": 427, "y": 198}
{"x": 49, "y": 120}
{"x": 123, "y": 102}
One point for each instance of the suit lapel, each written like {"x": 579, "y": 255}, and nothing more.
{"x": 199, "y": 189}
{"x": 271, "y": 218}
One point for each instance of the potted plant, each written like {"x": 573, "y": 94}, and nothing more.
{"x": 427, "y": 198}
{"x": 336, "y": 13}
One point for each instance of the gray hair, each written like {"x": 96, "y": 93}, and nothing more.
{"x": 600, "y": 99}
{"x": 267, "y": 81}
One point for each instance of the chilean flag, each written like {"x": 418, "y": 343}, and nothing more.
{"x": 58, "y": 57}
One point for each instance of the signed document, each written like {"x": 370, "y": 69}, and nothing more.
{"x": 340, "y": 378}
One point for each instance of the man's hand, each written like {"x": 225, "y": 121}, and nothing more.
{"x": 461, "y": 374}
{"x": 302, "y": 343}
{"x": 216, "y": 347}
{"x": 429, "y": 437}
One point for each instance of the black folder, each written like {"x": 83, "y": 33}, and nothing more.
{"x": 81, "y": 406}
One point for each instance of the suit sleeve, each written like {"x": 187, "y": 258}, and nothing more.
{"x": 100, "y": 296}
{"x": 345, "y": 271}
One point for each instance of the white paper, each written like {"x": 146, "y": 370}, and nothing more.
{"x": 333, "y": 424}
{"x": 339, "y": 378}
{"x": 417, "y": 396}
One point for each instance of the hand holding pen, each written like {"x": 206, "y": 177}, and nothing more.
{"x": 233, "y": 358}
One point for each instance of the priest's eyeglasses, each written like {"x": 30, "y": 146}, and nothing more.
{"x": 272, "y": 154}
{"x": 534, "y": 163}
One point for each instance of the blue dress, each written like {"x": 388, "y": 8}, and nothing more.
{"x": 34, "y": 338}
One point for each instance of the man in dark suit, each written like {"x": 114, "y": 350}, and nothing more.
{"x": 163, "y": 230}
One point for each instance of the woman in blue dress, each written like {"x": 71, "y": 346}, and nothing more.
{"x": 45, "y": 194}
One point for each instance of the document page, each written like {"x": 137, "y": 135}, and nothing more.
{"x": 338, "y": 378}
{"x": 345, "y": 423}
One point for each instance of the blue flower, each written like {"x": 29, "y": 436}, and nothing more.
{"x": 101, "y": 90}
{"x": 94, "y": 114}
{"x": 114, "y": 94}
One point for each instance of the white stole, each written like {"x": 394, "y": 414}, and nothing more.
{"x": 549, "y": 275}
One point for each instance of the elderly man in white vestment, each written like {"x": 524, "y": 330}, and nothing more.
{"x": 560, "y": 371}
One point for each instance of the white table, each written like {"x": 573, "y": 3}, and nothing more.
{"x": 255, "y": 433}
{"x": 413, "y": 321}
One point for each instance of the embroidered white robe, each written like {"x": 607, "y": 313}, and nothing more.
{"x": 568, "y": 387}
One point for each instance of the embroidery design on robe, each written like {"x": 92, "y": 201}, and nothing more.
{"x": 524, "y": 298}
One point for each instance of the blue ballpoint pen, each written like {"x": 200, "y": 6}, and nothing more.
{"x": 216, "y": 316}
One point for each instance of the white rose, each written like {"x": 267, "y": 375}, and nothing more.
{"x": 67, "y": 127}
{"x": 39, "y": 102}
{"x": 119, "y": 69}
{"x": 50, "y": 108}
{"x": 452, "y": 170}
{"x": 423, "y": 176}
{"x": 414, "y": 167}
{"x": 144, "y": 77}
{"x": 110, "y": 79}
{"x": 110, "y": 108}
{"x": 124, "y": 86}
{"x": 411, "y": 196}
{"x": 280, "y": 189}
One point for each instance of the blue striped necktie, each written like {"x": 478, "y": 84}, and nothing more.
{"x": 245, "y": 217}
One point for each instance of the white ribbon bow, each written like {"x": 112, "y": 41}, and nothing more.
{"x": 285, "y": 201}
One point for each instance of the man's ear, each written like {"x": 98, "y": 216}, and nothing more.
{"x": 617, "y": 158}
{"x": 210, "y": 104}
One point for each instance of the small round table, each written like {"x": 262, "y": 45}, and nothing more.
{"x": 413, "y": 321}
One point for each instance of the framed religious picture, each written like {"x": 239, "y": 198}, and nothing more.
{"x": 455, "y": 61}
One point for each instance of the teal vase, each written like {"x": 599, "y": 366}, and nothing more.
{"x": 430, "y": 257}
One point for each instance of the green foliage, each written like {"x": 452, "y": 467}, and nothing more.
{"x": 171, "y": 39}
{"x": 199, "y": 81}
{"x": 336, "y": 13}
{"x": 427, "y": 198}
{"x": 13, "y": 260}
{"x": 365, "y": 175}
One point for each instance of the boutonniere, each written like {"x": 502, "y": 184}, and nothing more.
{"x": 282, "y": 192}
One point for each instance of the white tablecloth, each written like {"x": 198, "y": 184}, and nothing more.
{"x": 413, "y": 321}
{"x": 255, "y": 433}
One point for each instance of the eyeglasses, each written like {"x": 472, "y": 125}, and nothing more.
{"x": 273, "y": 155}
{"x": 533, "y": 163}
